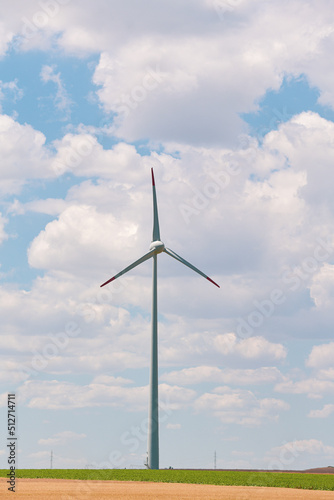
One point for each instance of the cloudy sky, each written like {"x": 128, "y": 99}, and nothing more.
{"x": 232, "y": 103}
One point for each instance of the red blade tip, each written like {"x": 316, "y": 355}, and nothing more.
{"x": 106, "y": 283}
{"x": 153, "y": 182}
{"x": 213, "y": 282}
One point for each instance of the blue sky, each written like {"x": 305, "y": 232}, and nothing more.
{"x": 232, "y": 105}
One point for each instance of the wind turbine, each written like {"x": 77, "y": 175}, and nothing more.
{"x": 156, "y": 247}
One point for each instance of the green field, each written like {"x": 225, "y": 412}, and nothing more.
{"x": 238, "y": 478}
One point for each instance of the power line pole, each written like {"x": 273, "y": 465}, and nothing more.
{"x": 51, "y": 459}
{"x": 215, "y": 461}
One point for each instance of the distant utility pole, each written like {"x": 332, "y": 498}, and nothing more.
{"x": 215, "y": 461}
{"x": 51, "y": 459}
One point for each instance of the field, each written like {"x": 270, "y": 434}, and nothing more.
{"x": 208, "y": 477}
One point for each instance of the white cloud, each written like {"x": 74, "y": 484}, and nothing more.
{"x": 3, "y": 234}
{"x": 82, "y": 155}
{"x": 199, "y": 374}
{"x": 61, "y": 100}
{"x": 12, "y": 89}
{"x": 173, "y": 426}
{"x": 203, "y": 58}
{"x": 326, "y": 374}
{"x": 295, "y": 454}
{"x": 60, "y": 395}
{"x": 65, "y": 395}
{"x": 325, "y": 412}
{"x": 41, "y": 460}
{"x": 61, "y": 438}
{"x": 251, "y": 348}
{"x": 23, "y": 153}
{"x": 74, "y": 239}
{"x": 313, "y": 387}
{"x": 93, "y": 210}
{"x": 321, "y": 356}
{"x": 6, "y": 36}
{"x": 104, "y": 234}
{"x": 11, "y": 372}
{"x": 209, "y": 69}
{"x": 50, "y": 206}
{"x": 196, "y": 342}
{"x": 322, "y": 288}
{"x": 240, "y": 406}
{"x": 312, "y": 154}
{"x": 272, "y": 200}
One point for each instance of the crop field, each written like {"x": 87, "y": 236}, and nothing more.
{"x": 209, "y": 477}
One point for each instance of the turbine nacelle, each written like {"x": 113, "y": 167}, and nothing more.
{"x": 157, "y": 246}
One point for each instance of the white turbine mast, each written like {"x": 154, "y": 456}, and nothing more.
{"x": 156, "y": 247}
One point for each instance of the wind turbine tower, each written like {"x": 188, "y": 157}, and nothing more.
{"x": 156, "y": 247}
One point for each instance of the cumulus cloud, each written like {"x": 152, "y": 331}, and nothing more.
{"x": 105, "y": 233}
{"x": 199, "y": 374}
{"x": 321, "y": 356}
{"x": 24, "y": 155}
{"x": 64, "y": 395}
{"x": 10, "y": 372}
{"x": 61, "y": 438}
{"x": 314, "y": 153}
{"x": 209, "y": 70}
{"x": 77, "y": 227}
{"x": 3, "y": 235}
{"x": 200, "y": 58}
{"x": 240, "y": 406}
{"x": 314, "y": 388}
{"x": 322, "y": 287}
{"x": 39, "y": 459}
{"x": 298, "y": 454}
{"x": 208, "y": 192}
{"x": 325, "y": 412}
{"x": 252, "y": 348}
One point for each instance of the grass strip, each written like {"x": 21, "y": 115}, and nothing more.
{"x": 230, "y": 478}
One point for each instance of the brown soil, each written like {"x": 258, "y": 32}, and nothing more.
{"x": 320, "y": 470}
{"x": 63, "y": 489}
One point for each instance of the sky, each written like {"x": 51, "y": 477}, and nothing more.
{"x": 231, "y": 102}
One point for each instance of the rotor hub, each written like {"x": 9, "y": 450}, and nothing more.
{"x": 158, "y": 246}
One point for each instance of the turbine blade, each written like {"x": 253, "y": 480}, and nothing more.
{"x": 156, "y": 229}
{"x": 131, "y": 266}
{"x": 180, "y": 259}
